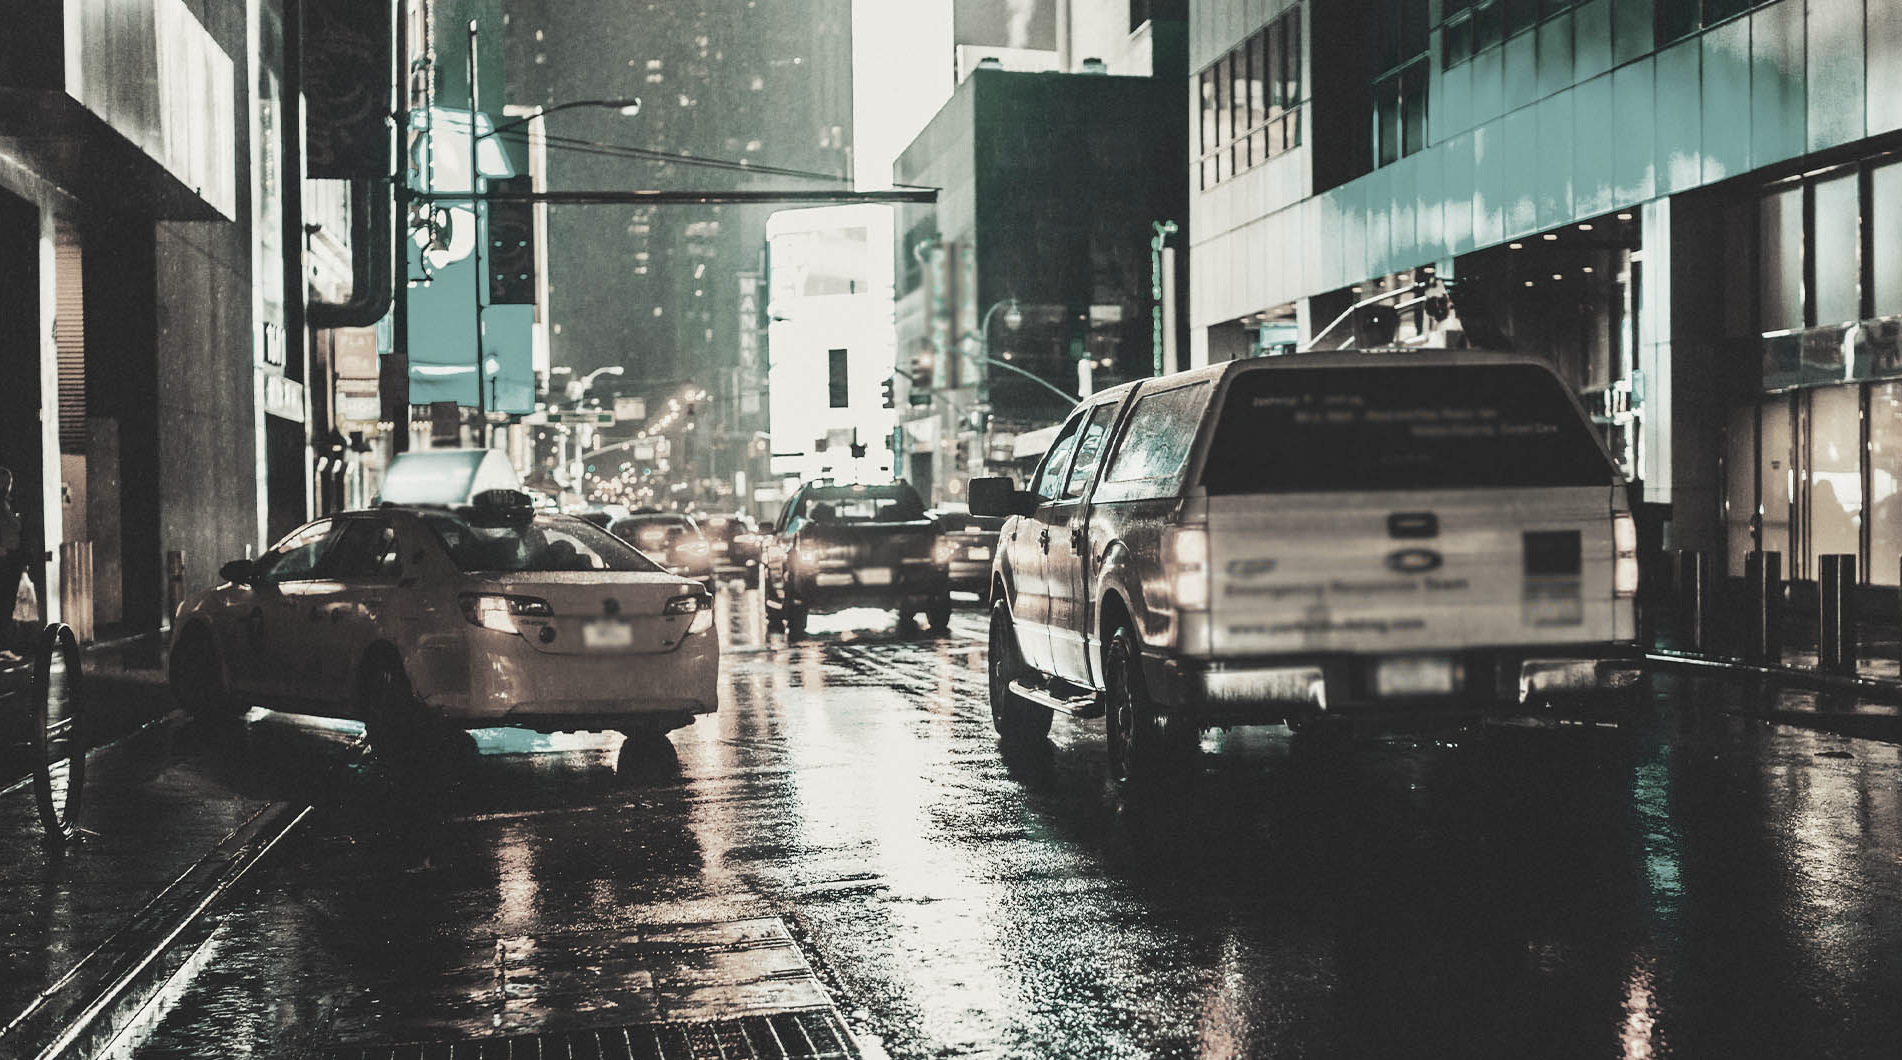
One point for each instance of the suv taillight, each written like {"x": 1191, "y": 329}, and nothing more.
{"x": 1624, "y": 553}
{"x": 1185, "y": 557}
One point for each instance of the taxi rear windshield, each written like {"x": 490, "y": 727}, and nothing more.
{"x": 548, "y": 543}
{"x": 1400, "y": 427}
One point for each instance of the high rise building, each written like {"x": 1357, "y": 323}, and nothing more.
{"x": 735, "y": 95}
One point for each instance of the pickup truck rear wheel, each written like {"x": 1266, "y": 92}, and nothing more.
{"x": 1014, "y": 718}
{"x": 1144, "y": 743}
{"x": 795, "y": 616}
{"x": 938, "y": 613}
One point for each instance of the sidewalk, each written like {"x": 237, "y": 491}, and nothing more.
{"x": 1863, "y": 701}
{"x": 86, "y": 934}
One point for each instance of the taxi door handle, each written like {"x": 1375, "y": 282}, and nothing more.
{"x": 1043, "y": 539}
{"x": 1076, "y": 539}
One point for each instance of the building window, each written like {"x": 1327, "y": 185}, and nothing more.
{"x": 1826, "y": 251}
{"x": 1468, "y": 27}
{"x": 1250, "y": 101}
{"x": 1885, "y": 240}
{"x": 1677, "y": 18}
{"x": 1399, "y": 110}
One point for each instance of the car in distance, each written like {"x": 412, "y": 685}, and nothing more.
{"x": 415, "y": 618}
{"x": 966, "y": 546}
{"x": 734, "y": 546}
{"x": 1386, "y": 538}
{"x": 858, "y": 545}
{"x": 672, "y": 540}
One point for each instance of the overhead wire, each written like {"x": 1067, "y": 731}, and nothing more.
{"x": 644, "y": 154}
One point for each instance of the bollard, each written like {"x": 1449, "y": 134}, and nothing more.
{"x": 1693, "y": 605}
{"x": 1836, "y": 621}
{"x": 1763, "y": 575}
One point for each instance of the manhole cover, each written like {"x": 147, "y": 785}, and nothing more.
{"x": 812, "y": 1035}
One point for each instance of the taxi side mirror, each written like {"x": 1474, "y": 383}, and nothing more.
{"x": 238, "y": 571}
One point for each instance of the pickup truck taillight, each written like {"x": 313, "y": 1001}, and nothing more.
{"x": 1185, "y": 557}
{"x": 1624, "y": 554}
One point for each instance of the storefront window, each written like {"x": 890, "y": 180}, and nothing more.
{"x": 1834, "y": 475}
{"x": 1838, "y": 251}
{"x": 1780, "y": 261}
{"x": 1885, "y": 466}
{"x": 1885, "y": 225}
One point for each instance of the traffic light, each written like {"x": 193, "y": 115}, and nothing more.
{"x": 891, "y": 399}
{"x": 511, "y": 258}
{"x": 921, "y": 367}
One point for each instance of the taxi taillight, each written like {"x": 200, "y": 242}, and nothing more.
{"x": 498, "y": 611}
{"x": 699, "y": 605}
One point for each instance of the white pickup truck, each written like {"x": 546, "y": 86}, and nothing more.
{"x": 1396, "y": 537}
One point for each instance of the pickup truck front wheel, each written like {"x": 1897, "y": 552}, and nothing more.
{"x": 1014, "y": 718}
{"x": 1144, "y": 744}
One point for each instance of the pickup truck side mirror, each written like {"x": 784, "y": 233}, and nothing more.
{"x": 238, "y": 571}
{"x": 999, "y": 496}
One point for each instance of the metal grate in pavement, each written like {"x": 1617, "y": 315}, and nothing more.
{"x": 810, "y": 1035}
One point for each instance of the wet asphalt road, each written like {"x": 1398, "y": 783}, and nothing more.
{"x": 1696, "y": 884}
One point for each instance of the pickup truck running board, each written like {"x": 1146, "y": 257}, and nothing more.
{"x": 1081, "y": 705}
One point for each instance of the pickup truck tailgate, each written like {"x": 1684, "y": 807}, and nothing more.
{"x": 1406, "y": 571}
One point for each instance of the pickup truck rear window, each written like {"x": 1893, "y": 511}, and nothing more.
{"x": 1400, "y": 427}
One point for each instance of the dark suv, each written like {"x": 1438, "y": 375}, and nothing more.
{"x": 840, "y": 546}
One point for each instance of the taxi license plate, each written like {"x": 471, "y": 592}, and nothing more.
{"x": 875, "y": 576}
{"x": 607, "y": 635}
{"x": 1413, "y": 675}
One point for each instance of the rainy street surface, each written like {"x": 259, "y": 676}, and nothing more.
{"x": 848, "y": 831}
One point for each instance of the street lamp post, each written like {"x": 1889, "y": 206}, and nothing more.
{"x": 475, "y": 217}
{"x": 577, "y": 389}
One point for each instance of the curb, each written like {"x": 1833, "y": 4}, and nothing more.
{"x": 1854, "y": 724}
{"x": 97, "y": 999}
{"x": 1871, "y": 686}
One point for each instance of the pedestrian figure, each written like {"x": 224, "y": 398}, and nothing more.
{"x": 16, "y": 589}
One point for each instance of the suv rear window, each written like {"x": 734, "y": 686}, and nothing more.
{"x": 1400, "y": 427}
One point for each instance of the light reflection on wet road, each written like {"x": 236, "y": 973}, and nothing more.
{"x": 1695, "y": 885}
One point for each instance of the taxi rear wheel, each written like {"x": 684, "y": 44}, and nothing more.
{"x": 795, "y": 616}
{"x": 1014, "y": 718}
{"x": 1145, "y": 744}
{"x": 198, "y": 680}
{"x": 391, "y": 717}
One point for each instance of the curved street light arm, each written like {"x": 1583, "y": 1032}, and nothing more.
{"x": 1039, "y": 380}
{"x": 630, "y": 107}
